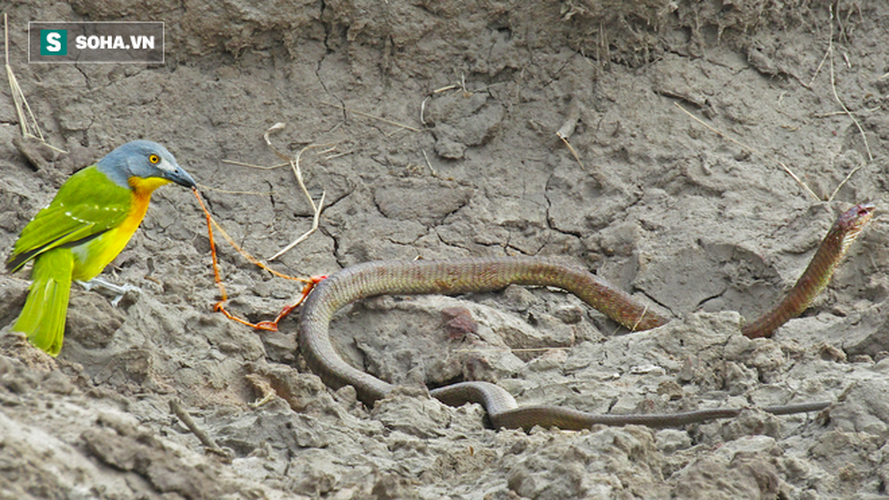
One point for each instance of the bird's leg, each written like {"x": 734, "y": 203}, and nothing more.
{"x": 118, "y": 290}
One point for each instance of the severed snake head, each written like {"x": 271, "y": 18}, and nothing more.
{"x": 849, "y": 225}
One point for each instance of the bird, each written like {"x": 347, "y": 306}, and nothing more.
{"x": 86, "y": 225}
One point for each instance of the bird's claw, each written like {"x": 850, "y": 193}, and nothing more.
{"x": 119, "y": 291}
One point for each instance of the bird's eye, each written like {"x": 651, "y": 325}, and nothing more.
{"x": 154, "y": 159}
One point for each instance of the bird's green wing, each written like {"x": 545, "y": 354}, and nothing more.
{"x": 87, "y": 205}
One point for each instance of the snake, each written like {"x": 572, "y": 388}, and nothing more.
{"x": 483, "y": 274}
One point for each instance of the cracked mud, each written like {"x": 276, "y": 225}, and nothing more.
{"x": 702, "y": 228}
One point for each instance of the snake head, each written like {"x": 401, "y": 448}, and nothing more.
{"x": 849, "y": 225}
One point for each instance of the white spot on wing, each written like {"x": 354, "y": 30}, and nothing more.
{"x": 78, "y": 219}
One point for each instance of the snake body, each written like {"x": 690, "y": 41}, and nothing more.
{"x": 817, "y": 274}
{"x": 486, "y": 274}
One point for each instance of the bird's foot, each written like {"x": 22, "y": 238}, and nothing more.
{"x": 117, "y": 290}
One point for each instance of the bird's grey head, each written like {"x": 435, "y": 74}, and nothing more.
{"x": 143, "y": 159}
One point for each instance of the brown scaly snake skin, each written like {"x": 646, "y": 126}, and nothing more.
{"x": 486, "y": 274}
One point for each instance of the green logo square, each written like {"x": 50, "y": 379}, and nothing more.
{"x": 53, "y": 42}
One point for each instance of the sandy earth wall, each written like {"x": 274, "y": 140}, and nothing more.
{"x": 460, "y": 157}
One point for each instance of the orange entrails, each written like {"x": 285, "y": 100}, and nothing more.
{"x": 220, "y": 306}
{"x": 273, "y": 325}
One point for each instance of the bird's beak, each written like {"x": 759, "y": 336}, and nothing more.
{"x": 178, "y": 175}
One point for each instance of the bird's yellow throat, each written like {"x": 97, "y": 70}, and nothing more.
{"x": 144, "y": 186}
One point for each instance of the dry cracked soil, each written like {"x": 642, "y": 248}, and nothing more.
{"x": 686, "y": 120}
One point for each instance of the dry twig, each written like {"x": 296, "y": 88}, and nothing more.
{"x": 751, "y": 150}
{"x": 27, "y": 121}
{"x": 202, "y": 436}
{"x": 836, "y": 96}
{"x": 368, "y": 115}
{"x": 567, "y": 129}
{"x": 258, "y": 167}
{"x": 294, "y": 165}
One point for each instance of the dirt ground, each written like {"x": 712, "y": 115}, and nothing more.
{"x": 444, "y": 118}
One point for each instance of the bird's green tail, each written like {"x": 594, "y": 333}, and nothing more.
{"x": 43, "y": 317}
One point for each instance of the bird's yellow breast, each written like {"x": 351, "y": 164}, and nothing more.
{"x": 92, "y": 256}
